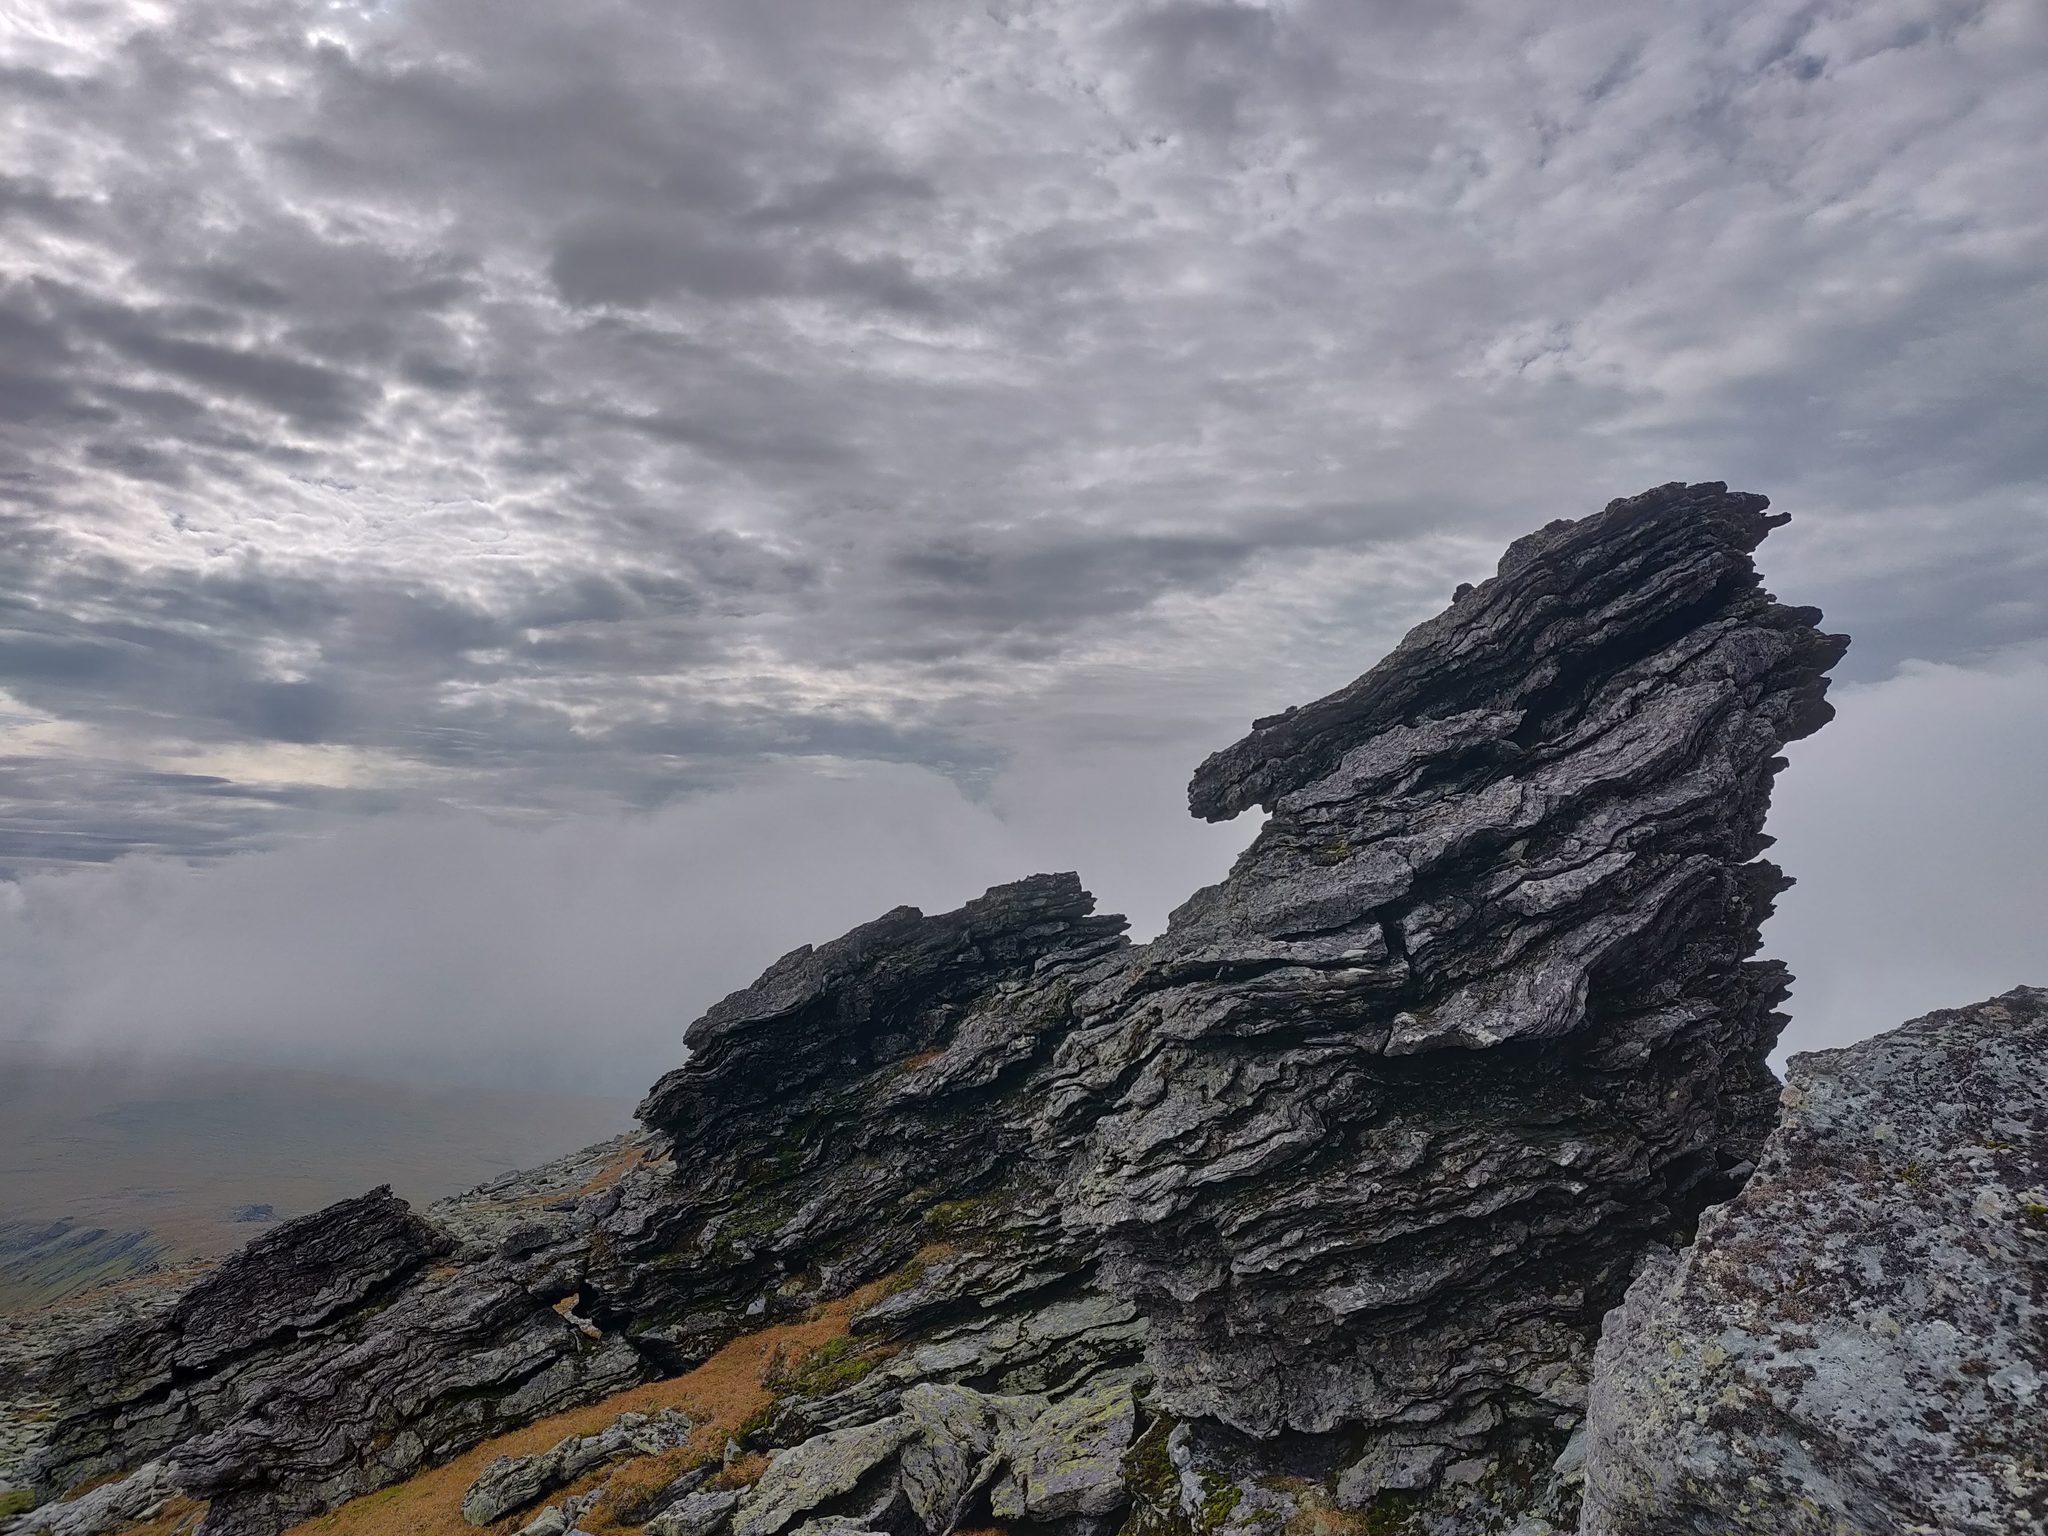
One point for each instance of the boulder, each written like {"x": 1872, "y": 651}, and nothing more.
{"x": 512, "y": 1482}
{"x": 817, "y": 1472}
{"x": 1857, "y": 1345}
{"x": 1068, "y": 1460}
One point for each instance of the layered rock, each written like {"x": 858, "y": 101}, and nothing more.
{"x": 1319, "y": 1196}
{"x": 1376, "y": 1130}
{"x": 1857, "y": 1344}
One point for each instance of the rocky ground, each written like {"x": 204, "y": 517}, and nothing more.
{"x": 1302, "y": 1219}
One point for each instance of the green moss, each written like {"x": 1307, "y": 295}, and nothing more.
{"x": 1391, "y": 1514}
{"x": 20, "y": 1501}
{"x": 951, "y": 1215}
{"x": 1148, "y": 1472}
{"x": 1155, "y": 1491}
{"x": 831, "y": 1367}
{"x": 909, "y": 1275}
{"x": 756, "y": 1424}
{"x": 1220, "y": 1498}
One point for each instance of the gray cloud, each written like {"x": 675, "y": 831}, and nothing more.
{"x": 549, "y": 413}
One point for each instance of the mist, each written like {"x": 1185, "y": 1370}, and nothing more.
{"x": 567, "y": 956}
{"x": 570, "y": 956}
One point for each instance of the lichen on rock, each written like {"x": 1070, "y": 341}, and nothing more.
{"x": 1857, "y": 1344}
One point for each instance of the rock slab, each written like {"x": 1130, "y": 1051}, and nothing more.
{"x": 1857, "y": 1345}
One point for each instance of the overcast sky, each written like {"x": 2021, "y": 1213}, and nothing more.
{"x": 516, "y": 514}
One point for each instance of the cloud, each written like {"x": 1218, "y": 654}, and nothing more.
{"x": 554, "y": 414}
{"x": 572, "y": 953}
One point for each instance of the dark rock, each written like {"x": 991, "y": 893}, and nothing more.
{"x": 1858, "y": 1343}
{"x": 1376, "y": 1131}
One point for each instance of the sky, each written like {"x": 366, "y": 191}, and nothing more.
{"x": 514, "y": 516}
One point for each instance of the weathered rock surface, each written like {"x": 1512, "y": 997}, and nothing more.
{"x": 1327, "y": 1187}
{"x": 107, "y": 1508}
{"x": 1858, "y": 1343}
{"x": 1375, "y": 1132}
{"x": 513, "y": 1482}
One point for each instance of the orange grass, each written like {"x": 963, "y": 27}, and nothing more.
{"x": 178, "y": 1517}
{"x": 719, "y": 1396}
{"x": 623, "y": 1162}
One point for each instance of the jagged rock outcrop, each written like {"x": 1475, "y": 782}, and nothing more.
{"x": 334, "y": 1354}
{"x": 1321, "y": 1194}
{"x": 1377, "y": 1129}
{"x": 1857, "y": 1345}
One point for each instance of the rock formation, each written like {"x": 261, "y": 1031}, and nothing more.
{"x": 1317, "y": 1200}
{"x": 1858, "y": 1343}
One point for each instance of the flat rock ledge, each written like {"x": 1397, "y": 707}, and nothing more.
{"x": 1858, "y": 1343}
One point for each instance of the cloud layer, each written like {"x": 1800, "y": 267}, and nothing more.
{"x": 573, "y": 954}
{"x": 553, "y": 409}
{"x": 414, "y": 412}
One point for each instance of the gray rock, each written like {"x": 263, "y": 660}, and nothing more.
{"x": 696, "y": 1514}
{"x": 953, "y": 1450}
{"x": 1069, "y": 1459}
{"x": 513, "y": 1482}
{"x": 817, "y": 1472}
{"x": 110, "y": 1507}
{"x": 1390, "y": 1467}
{"x": 1857, "y": 1343}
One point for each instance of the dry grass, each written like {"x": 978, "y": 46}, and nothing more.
{"x": 623, "y": 1162}
{"x": 719, "y": 1396}
{"x": 179, "y": 1517}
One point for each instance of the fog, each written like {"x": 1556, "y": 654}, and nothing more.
{"x": 572, "y": 955}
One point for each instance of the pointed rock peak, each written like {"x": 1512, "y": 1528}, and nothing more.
{"x": 1570, "y": 602}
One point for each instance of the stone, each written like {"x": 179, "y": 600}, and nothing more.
{"x": 1389, "y": 1467}
{"x": 1388, "y": 1115}
{"x": 698, "y": 1513}
{"x": 513, "y": 1482}
{"x": 952, "y": 1451}
{"x": 1857, "y": 1344}
{"x": 103, "y": 1510}
{"x": 1068, "y": 1460}
{"x": 817, "y": 1472}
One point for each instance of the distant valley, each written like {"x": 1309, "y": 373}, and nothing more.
{"x": 107, "y": 1170}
